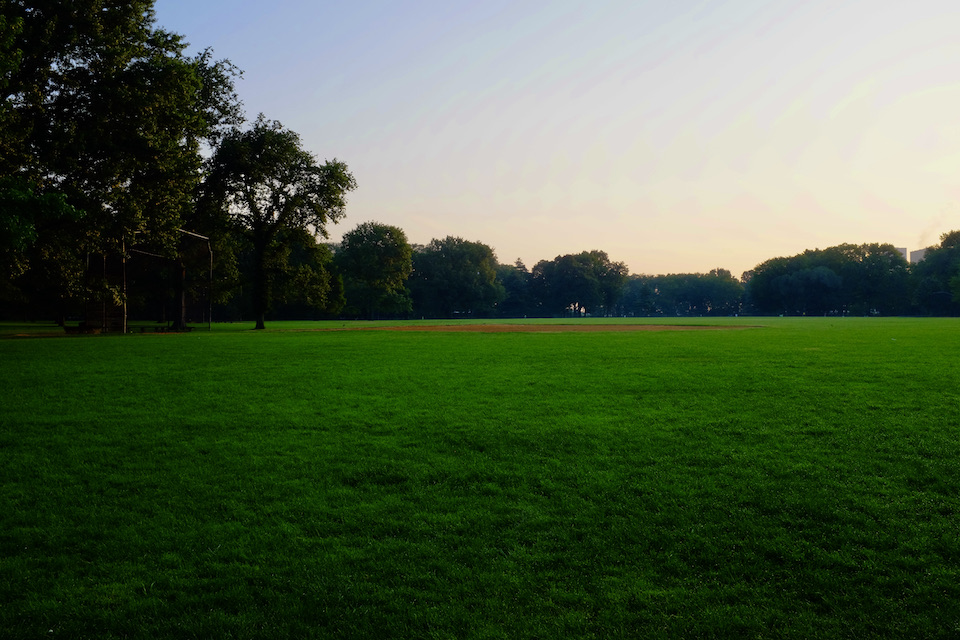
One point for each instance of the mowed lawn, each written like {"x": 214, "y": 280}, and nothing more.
{"x": 796, "y": 480}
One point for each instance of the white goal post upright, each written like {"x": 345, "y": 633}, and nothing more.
{"x": 210, "y": 279}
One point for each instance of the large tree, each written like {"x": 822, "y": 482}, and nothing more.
{"x": 937, "y": 277}
{"x": 375, "y": 261}
{"x": 455, "y": 277}
{"x": 306, "y": 285}
{"x": 25, "y": 218}
{"x": 100, "y": 105}
{"x": 518, "y": 300}
{"x": 269, "y": 185}
{"x": 586, "y": 282}
{"x": 857, "y": 279}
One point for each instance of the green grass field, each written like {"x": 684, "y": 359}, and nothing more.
{"x": 796, "y": 480}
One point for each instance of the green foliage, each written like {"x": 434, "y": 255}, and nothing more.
{"x": 304, "y": 278}
{"x": 795, "y": 481}
{"x": 110, "y": 112}
{"x": 106, "y": 110}
{"x": 937, "y": 277}
{"x": 845, "y": 279}
{"x": 375, "y": 261}
{"x": 454, "y": 276}
{"x": 22, "y": 211}
{"x": 10, "y": 58}
{"x": 585, "y": 283}
{"x": 716, "y": 293}
{"x": 269, "y": 186}
{"x": 518, "y": 299}
{"x": 35, "y": 262}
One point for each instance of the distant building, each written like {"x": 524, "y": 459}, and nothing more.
{"x": 903, "y": 252}
{"x": 917, "y": 256}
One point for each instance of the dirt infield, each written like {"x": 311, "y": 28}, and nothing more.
{"x": 554, "y": 328}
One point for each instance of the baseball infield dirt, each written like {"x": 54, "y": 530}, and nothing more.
{"x": 552, "y": 328}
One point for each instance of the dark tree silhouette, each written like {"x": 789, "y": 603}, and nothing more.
{"x": 269, "y": 185}
{"x": 375, "y": 261}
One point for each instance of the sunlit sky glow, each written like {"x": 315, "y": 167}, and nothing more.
{"x": 676, "y": 136}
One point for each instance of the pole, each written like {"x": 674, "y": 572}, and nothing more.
{"x": 123, "y": 258}
{"x": 210, "y": 291}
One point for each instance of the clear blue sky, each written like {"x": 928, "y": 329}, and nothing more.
{"x": 677, "y": 136}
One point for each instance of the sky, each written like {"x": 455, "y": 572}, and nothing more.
{"x": 679, "y": 136}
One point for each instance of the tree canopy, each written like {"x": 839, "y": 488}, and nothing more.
{"x": 716, "y": 293}
{"x": 268, "y": 184}
{"x": 104, "y": 108}
{"x": 937, "y": 277}
{"x": 375, "y": 261}
{"x": 587, "y": 282}
{"x": 454, "y": 277}
{"x": 858, "y": 279}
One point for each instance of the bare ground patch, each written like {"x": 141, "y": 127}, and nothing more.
{"x": 555, "y": 328}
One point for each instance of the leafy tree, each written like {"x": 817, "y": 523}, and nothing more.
{"x": 587, "y": 282}
{"x": 375, "y": 261}
{"x": 697, "y": 294}
{"x": 270, "y": 186}
{"x": 31, "y": 258}
{"x": 813, "y": 290}
{"x": 11, "y": 27}
{"x": 639, "y": 296}
{"x": 454, "y": 276}
{"x": 23, "y": 212}
{"x": 761, "y": 295}
{"x": 103, "y": 107}
{"x": 610, "y": 275}
{"x": 109, "y": 111}
{"x": 847, "y": 278}
{"x": 518, "y": 300}
{"x": 724, "y": 293}
{"x": 876, "y": 280}
{"x": 566, "y": 284}
{"x": 306, "y": 285}
{"x": 937, "y": 277}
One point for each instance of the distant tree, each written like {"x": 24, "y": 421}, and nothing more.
{"x": 860, "y": 279}
{"x": 761, "y": 293}
{"x": 724, "y": 293}
{"x": 454, "y": 276}
{"x": 697, "y": 294}
{"x": 518, "y": 299}
{"x": 936, "y": 278}
{"x": 270, "y": 186}
{"x": 813, "y": 290}
{"x": 876, "y": 280}
{"x": 611, "y": 276}
{"x": 587, "y": 282}
{"x": 639, "y": 296}
{"x": 375, "y": 261}
{"x": 306, "y": 285}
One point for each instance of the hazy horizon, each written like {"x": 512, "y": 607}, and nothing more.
{"x": 677, "y": 137}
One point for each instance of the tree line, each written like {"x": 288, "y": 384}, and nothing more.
{"x": 455, "y": 278}
{"x": 130, "y": 178}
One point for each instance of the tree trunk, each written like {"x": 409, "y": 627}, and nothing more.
{"x": 261, "y": 285}
{"x": 180, "y": 319}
